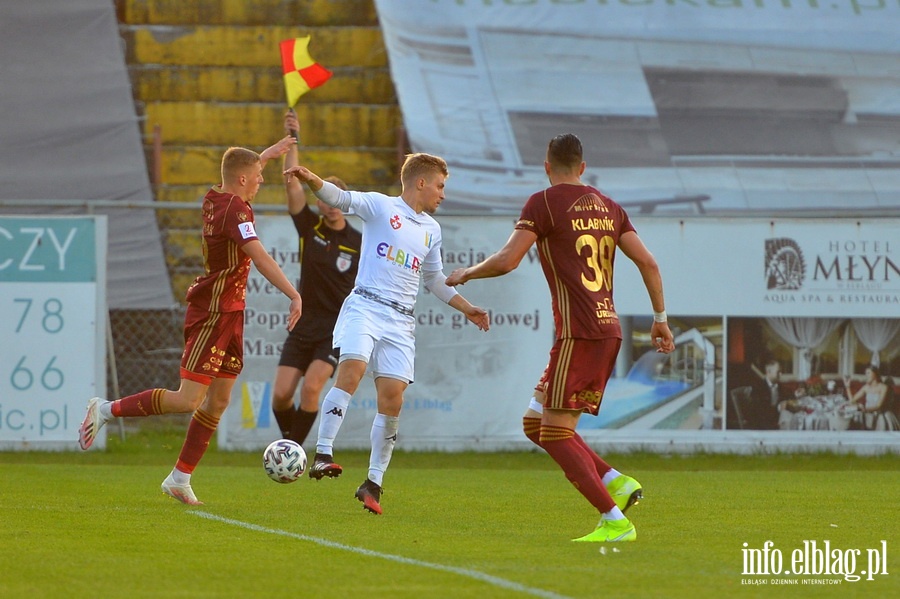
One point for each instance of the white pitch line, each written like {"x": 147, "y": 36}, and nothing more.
{"x": 494, "y": 580}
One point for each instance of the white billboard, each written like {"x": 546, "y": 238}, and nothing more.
{"x": 820, "y": 296}
{"x": 52, "y": 355}
{"x": 771, "y": 267}
{"x": 735, "y": 290}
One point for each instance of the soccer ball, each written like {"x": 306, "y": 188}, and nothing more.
{"x": 284, "y": 461}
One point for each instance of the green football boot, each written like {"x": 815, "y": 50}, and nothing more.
{"x": 609, "y": 531}
{"x": 625, "y": 491}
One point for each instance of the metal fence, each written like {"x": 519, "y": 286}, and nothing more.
{"x": 146, "y": 350}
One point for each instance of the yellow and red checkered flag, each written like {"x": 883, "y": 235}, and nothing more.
{"x": 301, "y": 72}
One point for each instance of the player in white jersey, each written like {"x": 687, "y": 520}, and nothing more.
{"x": 401, "y": 244}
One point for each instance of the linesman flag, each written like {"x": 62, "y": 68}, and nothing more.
{"x": 301, "y": 72}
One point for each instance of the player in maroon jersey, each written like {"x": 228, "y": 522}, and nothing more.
{"x": 214, "y": 320}
{"x": 577, "y": 230}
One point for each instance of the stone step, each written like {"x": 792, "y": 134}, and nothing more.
{"x": 181, "y": 280}
{"x": 256, "y": 46}
{"x": 373, "y": 169}
{"x": 247, "y": 12}
{"x": 184, "y": 246}
{"x": 176, "y": 83}
{"x": 209, "y": 74}
{"x": 258, "y": 124}
{"x": 270, "y": 199}
{"x": 270, "y": 193}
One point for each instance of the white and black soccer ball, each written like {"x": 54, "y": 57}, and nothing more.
{"x": 284, "y": 461}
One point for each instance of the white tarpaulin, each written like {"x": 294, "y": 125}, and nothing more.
{"x": 682, "y": 105}
{"x": 68, "y": 131}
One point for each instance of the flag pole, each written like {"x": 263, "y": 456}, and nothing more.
{"x": 294, "y": 132}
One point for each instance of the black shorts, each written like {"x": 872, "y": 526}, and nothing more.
{"x": 300, "y": 350}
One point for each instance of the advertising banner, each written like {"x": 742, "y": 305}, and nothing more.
{"x": 813, "y": 303}
{"x": 772, "y": 267}
{"x": 52, "y": 296}
{"x": 820, "y": 297}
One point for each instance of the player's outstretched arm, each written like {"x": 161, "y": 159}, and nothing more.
{"x": 478, "y": 316}
{"x": 267, "y": 266}
{"x": 326, "y": 191}
{"x": 279, "y": 148}
{"x": 632, "y": 246}
{"x": 505, "y": 260}
{"x": 305, "y": 175}
{"x": 436, "y": 283}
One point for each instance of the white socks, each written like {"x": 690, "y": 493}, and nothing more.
{"x": 613, "y": 514}
{"x": 383, "y": 437}
{"x": 609, "y": 476}
{"x": 180, "y": 478}
{"x": 331, "y": 416}
{"x": 105, "y": 410}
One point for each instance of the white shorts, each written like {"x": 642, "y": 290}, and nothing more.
{"x": 378, "y": 335}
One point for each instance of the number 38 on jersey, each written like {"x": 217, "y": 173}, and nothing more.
{"x": 599, "y": 255}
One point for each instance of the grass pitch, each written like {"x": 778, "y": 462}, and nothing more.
{"x": 455, "y": 525}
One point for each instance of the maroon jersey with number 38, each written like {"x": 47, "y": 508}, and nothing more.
{"x": 577, "y": 230}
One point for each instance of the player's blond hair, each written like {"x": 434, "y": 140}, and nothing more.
{"x": 337, "y": 181}
{"x": 422, "y": 165}
{"x": 236, "y": 161}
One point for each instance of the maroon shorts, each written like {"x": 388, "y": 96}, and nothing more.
{"x": 577, "y": 373}
{"x": 213, "y": 345}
